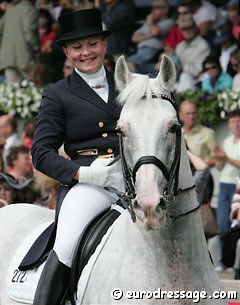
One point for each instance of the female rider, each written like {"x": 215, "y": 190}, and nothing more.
{"x": 79, "y": 112}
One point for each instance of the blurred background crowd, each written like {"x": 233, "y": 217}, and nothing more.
{"x": 142, "y": 30}
{"x": 202, "y": 38}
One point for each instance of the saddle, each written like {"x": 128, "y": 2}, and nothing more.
{"x": 87, "y": 244}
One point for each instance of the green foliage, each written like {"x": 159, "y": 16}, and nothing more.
{"x": 211, "y": 107}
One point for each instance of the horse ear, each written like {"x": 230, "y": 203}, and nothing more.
{"x": 167, "y": 73}
{"x": 122, "y": 74}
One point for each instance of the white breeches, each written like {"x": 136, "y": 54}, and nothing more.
{"x": 81, "y": 204}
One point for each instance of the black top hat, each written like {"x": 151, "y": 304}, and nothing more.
{"x": 80, "y": 24}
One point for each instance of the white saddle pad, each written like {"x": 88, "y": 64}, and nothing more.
{"x": 21, "y": 285}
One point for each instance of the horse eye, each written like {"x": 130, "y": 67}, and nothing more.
{"x": 174, "y": 128}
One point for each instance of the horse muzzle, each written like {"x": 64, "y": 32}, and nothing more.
{"x": 150, "y": 214}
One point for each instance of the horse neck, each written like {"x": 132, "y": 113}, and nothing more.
{"x": 177, "y": 253}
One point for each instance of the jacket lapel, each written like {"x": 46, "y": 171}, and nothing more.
{"x": 80, "y": 88}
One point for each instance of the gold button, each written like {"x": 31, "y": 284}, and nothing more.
{"x": 109, "y": 150}
{"x": 104, "y": 135}
{"x": 100, "y": 124}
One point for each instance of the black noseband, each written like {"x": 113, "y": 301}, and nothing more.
{"x": 171, "y": 175}
{"x": 150, "y": 160}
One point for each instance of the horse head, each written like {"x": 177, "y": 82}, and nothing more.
{"x": 151, "y": 137}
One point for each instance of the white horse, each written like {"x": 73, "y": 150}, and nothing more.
{"x": 162, "y": 258}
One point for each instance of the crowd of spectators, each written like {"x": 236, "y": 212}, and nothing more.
{"x": 19, "y": 181}
{"x": 202, "y": 37}
{"x": 141, "y": 30}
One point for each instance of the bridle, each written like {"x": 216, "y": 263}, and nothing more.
{"x": 171, "y": 189}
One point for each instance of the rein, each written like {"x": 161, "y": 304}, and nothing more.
{"x": 171, "y": 189}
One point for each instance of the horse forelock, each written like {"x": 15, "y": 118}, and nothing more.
{"x": 135, "y": 90}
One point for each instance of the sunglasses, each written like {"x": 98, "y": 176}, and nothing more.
{"x": 210, "y": 68}
{"x": 187, "y": 29}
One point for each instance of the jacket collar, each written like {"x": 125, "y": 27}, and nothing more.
{"x": 80, "y": 88}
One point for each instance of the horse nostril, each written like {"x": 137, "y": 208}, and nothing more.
{"x": 135, "y": 204}
{"x": 161, "y": 206}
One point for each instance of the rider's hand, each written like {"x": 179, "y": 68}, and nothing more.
{"x": 102, "y": 173}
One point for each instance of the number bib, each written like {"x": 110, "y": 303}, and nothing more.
{"x": 21, "y": 285}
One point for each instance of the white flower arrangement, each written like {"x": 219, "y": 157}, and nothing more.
{"x": 228, "y": 100}
{"x": 21, "y": 100}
